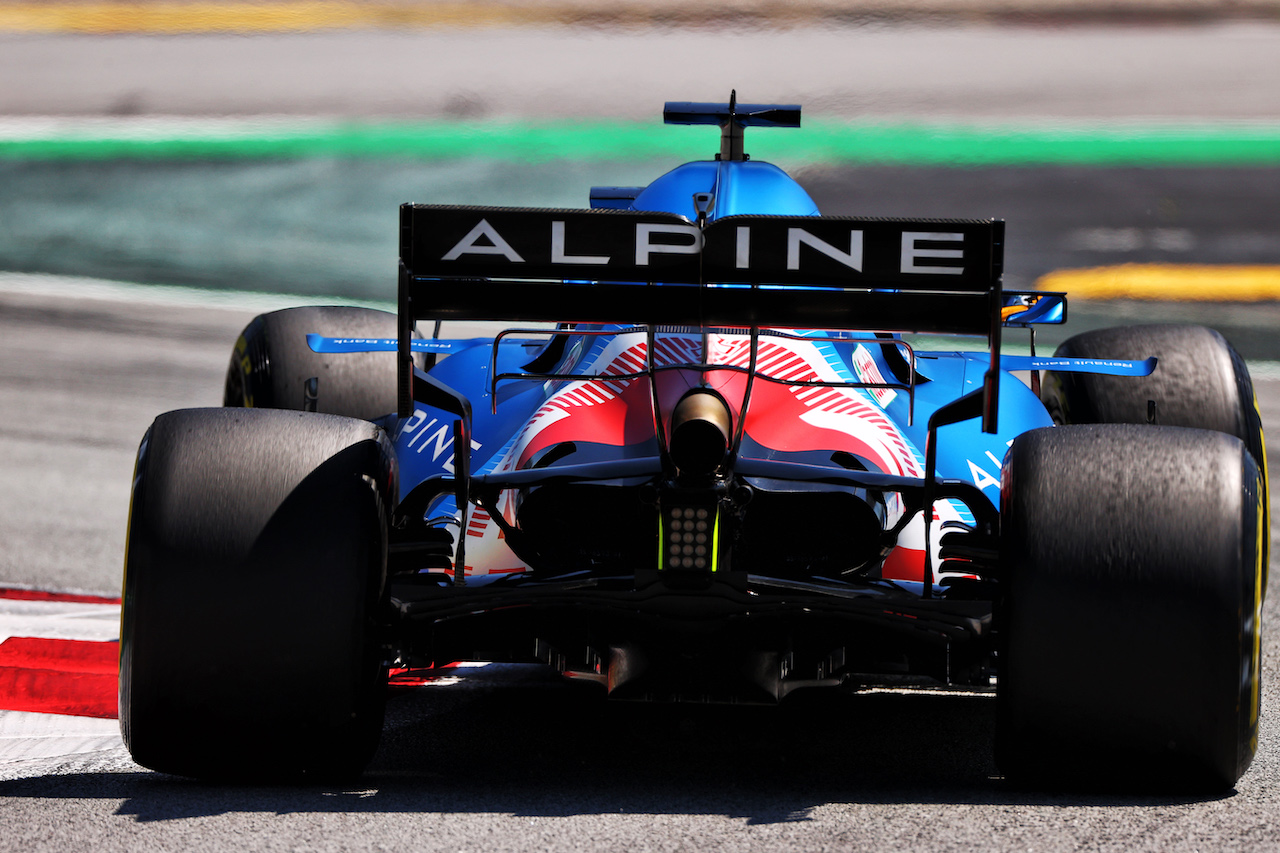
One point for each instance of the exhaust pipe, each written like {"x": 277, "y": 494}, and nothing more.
{"x": 701, "y": 433}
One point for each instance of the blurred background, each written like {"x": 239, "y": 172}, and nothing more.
{"x": 266, "y": 147}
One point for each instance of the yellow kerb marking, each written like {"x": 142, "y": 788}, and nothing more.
{"x": 200, "y": 17}
{"x": 1168, "y": 282}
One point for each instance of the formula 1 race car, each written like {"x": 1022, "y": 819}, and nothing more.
{"x": 712, "y": 461}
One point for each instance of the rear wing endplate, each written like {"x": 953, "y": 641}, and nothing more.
{"x": 622, "y": 266}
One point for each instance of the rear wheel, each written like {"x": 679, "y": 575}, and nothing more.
{"x": 254, "y": 571}
{"x": 272, "y": 365}
{"x": 1200, "y": 381}
{"x": 1130, "y": 624}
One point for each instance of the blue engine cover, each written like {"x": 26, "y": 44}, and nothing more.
{"x": 737, "y": 187}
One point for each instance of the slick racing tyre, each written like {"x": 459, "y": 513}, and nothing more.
{"x": 1129, "y": 626}
{"x": 254, "y": 570}
{"x": 272, "y": 366}
{"x": 1200, "y": 381}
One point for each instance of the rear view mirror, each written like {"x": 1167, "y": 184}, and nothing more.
{"x": 1025, "y": 308}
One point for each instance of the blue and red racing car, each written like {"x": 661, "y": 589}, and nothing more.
{"x": 707, "y": 459}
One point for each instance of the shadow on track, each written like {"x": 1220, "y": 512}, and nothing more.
{"x": 517, "y": 741}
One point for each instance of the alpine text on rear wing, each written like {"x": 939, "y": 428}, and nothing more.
{"x": 611, "y": 266}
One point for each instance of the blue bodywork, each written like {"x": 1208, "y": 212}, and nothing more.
{"x": 739, "y": 187}
{"x": 721, "y": 452}
{"x": 742, "y": 187}
{"x": 716, "y": 343}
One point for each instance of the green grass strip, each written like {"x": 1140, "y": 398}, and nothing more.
{"x": 820, "y": 141}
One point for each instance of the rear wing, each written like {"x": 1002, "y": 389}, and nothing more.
{"x": 635, "y": 267}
